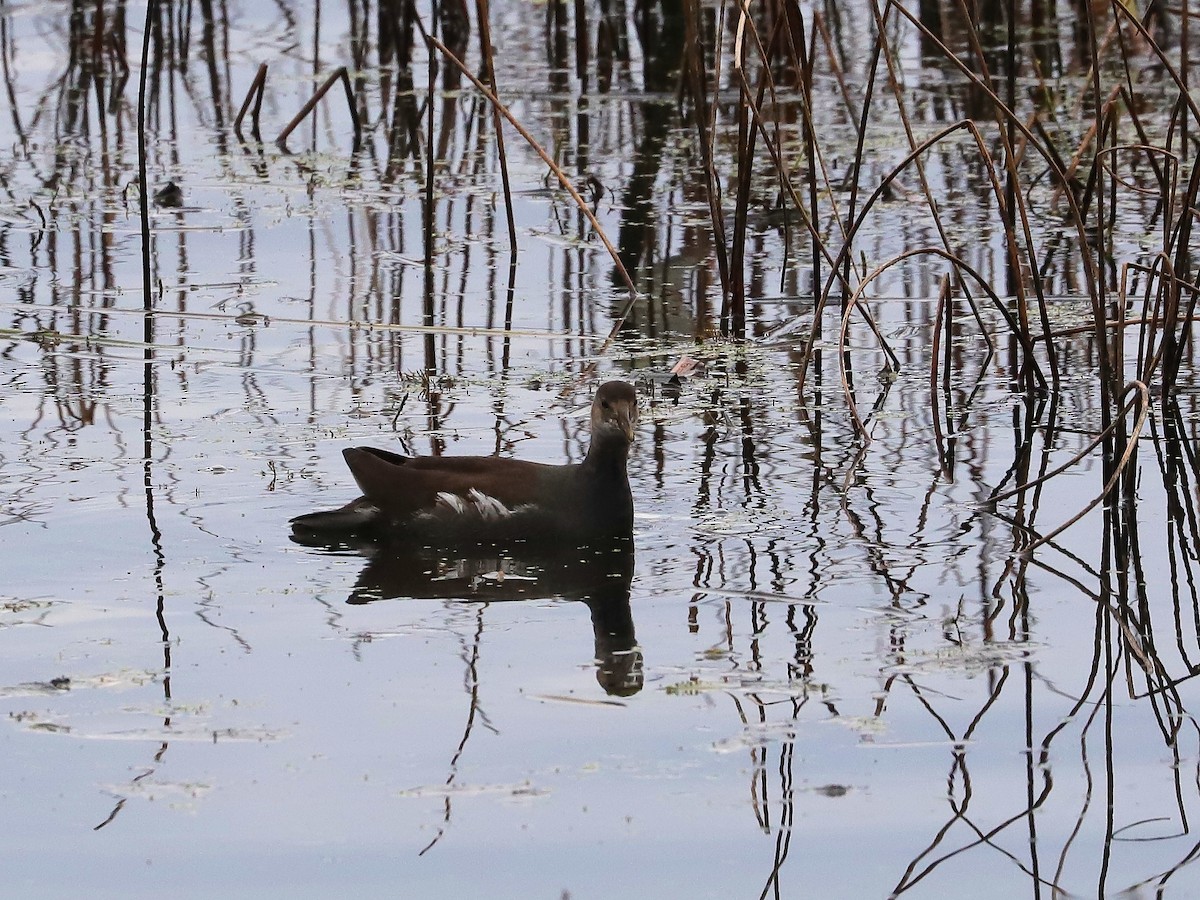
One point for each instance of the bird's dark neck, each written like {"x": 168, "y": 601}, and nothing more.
{"x": 607, "y": 502}
{"x": 606, "y": 457}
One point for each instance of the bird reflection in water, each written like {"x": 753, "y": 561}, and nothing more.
{"x": 597, "y": 574}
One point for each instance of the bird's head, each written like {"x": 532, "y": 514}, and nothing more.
{"x": 615, "y": 411}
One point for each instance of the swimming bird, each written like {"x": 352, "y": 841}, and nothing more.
{"x": 485, "y": 499}
{"x": 170, "y": 196}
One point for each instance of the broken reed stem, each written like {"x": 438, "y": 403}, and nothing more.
{"x": 144, "y": 200}
{"x": 353, "y": 108}
{"x": 255, "y": 95}
{"x": 1015, "y": 325}
{"x": 1081, "y": 454}
{"x": 489, "y": 78}
{"x": 947, "y": 363}
{"x": 563, "y": 180}
{"x": 1015, "y": 281}
{"x": 835, "y": 65}
{"x": 837, "y": 263}
{"x": 751, "y": 124}
{"x": 427, "y": 205}
{"x": 1110, "y": 366}
{"x": 800, "y": 55}
{"x": 856, "y": 301}
{"x": 147, "y": 289}
{"x": 1148, "y": 355}
{"x": 1141, "y": 400}
{"x": 1181, "y": 241}
{"x": 1014, "y": 209}
{"x": 939, "y": 438}
{"x": 1053, "y": 164}
{"x": 840, "y": 267}
{"x": 714, "y": 105}
{"x": 694, "y": 79}
{"x": 733, "y": 301}
{"x": 807, "y": 64}
{"x": 339, "y": 74}
{"x": 782, "y": 168}
{"x": 1122, "y": 323}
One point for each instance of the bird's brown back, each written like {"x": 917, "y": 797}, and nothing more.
{"x": 402, "y": 486}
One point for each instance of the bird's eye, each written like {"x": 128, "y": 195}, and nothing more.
{"x": 604, "y": 403}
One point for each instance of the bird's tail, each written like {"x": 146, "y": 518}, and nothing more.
{"x": 359, "y": 518}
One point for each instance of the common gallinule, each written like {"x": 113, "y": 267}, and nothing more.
{"x": 485, "y": 499}
{"x": 170, "y": 196}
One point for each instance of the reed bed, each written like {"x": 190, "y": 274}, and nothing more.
{"x": 1077, "y": 123}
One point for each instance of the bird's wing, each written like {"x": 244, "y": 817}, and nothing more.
{"x": 402, "y": 486}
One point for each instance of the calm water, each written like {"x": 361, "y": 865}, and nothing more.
{"x": 825, "y": 678}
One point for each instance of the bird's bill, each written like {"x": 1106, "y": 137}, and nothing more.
{"x": 627, "y": 421}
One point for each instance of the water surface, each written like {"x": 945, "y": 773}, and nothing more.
{"x": 834, "y": 678}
